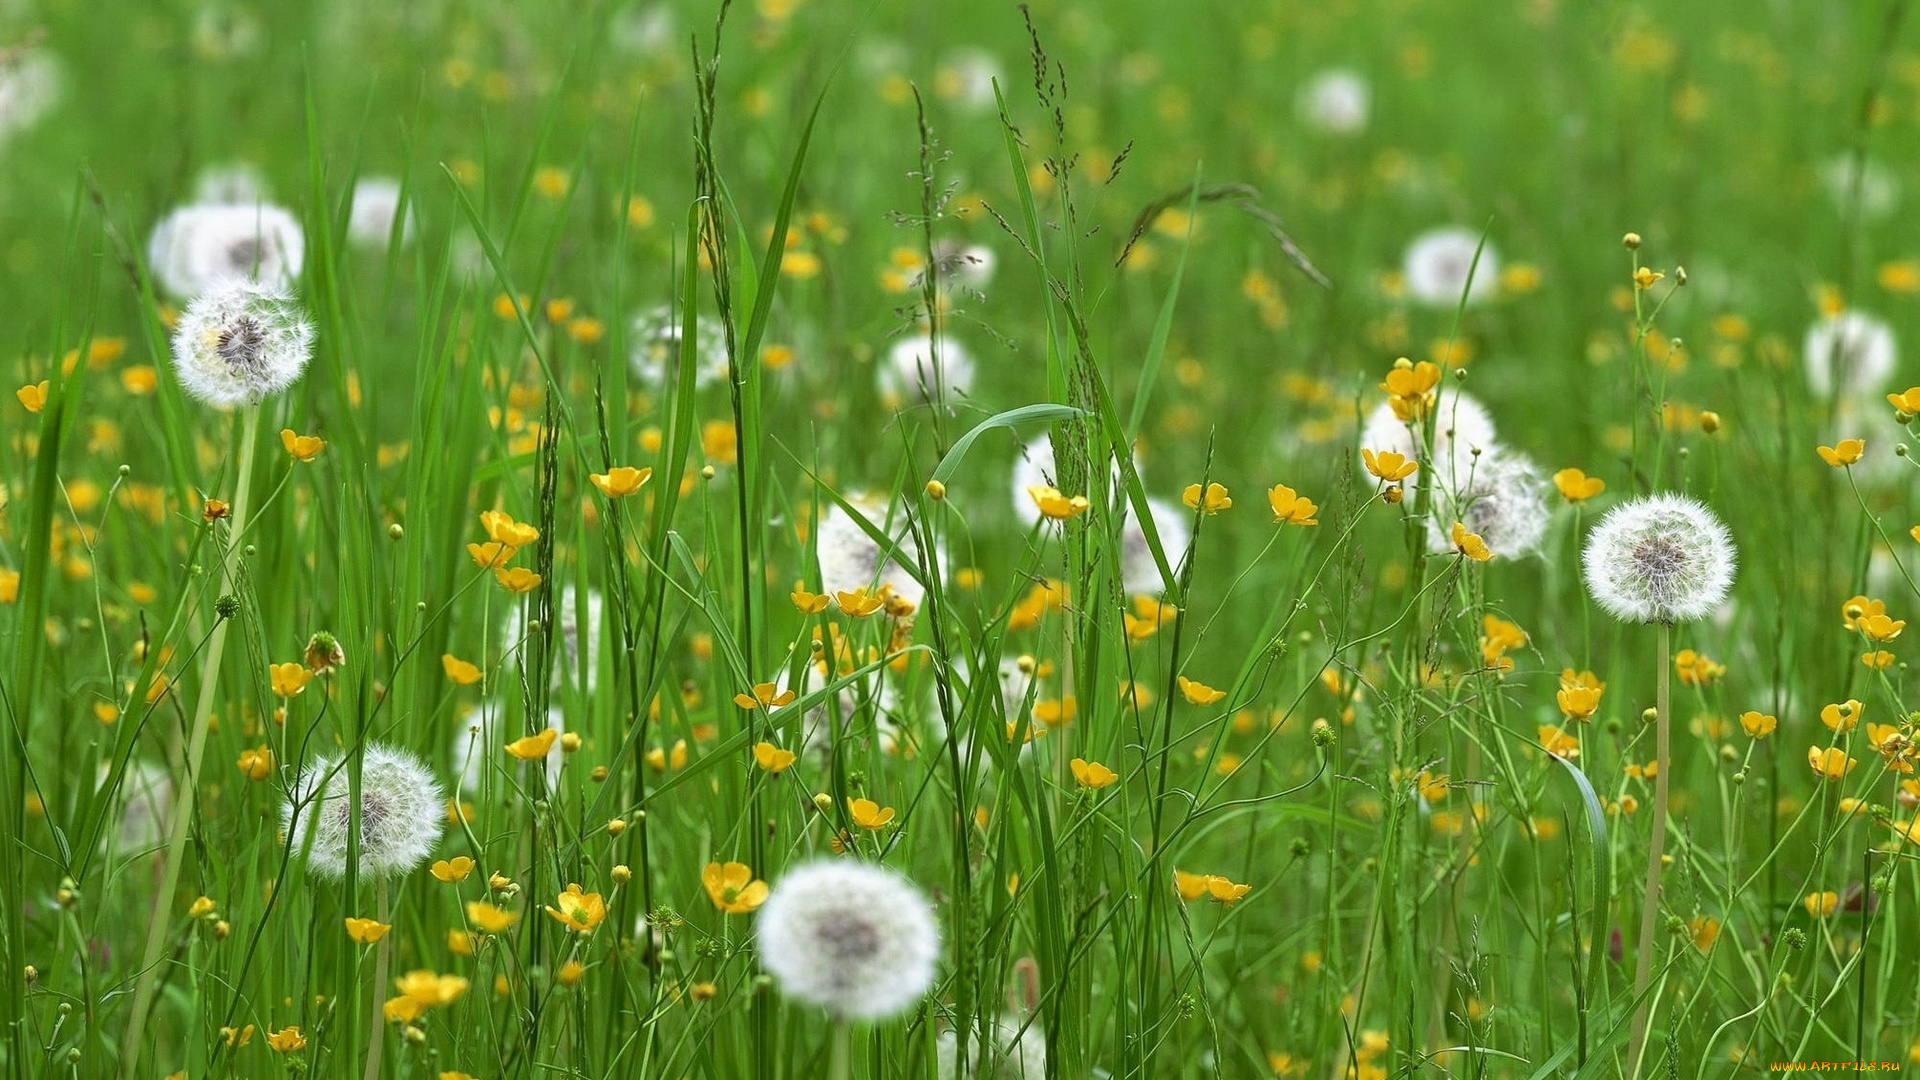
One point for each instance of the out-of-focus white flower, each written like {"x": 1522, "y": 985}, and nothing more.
{"x": 656, "y": 343}
{"x": 29, "y": 88}
{"x": 918, "y": 371}
{"x": 201, "y": 247}
{"x": 857, "y": 940}
{"x": 850, "y": 559}
{"x": 376, "y": 205}
{"x": 1850, "y": 353}
{"x": 146, "y": 794}
{"x": 967, "y": 77}
{"x": 1439, "y": 262}
{"x": 231, "y": 183}
{"x": 239, "y": 343}
{"x": 1138, "y": 570}
{"x": 1336, "y": 101}
{"x": 1846, "y": 177}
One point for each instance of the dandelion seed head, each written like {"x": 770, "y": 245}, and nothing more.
{"x": 1849, "y": 353}
{"x": 1500, "y": 496}
{"x": 206, "y": 246}
{"x": 850, "y": 559}
{"x": 376, "y": 206}
{"x": 565, "y": 667}
{"x": 1336, "y": 101}
{"x": 1461, "y": 424}
{"x": 656, "y": 343}
{"x": 146, "y": 791}
{"x": 1139, "y": 573}
{"x": 856, "y": 939}
{"x": 1659, "y": 558}
{"x": 1438, "y": 263}
{"x": 241, "y": 342}
{"x": 30, "y": 82}
{"x": 402, "y": 811}
{"x": 232, "y": 183}
{"x": 1019, "y": 1051}
{"x": 915, "y": 372}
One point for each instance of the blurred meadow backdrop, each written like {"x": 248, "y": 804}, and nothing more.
{"x": 928, "y": 436}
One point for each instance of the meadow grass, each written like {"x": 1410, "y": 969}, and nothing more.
{"x": 1197, "y": 782}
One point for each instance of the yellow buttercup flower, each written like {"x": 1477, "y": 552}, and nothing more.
{"x": 1907, "y": 401}
{"x": 1289, "y": 508}
{"x": 1055, "y": 505}
{"x": 732, "y": 887}
{"x": 1470, "y": 544}
{"x": 869, "y": 814}
{"x": 459, "y": 671}
{"x": 488, "y": 918}
{"x": 491, "y": 555}
{"x": 1212, "y": 501}
{"x": 33, "y": 396}
{"x": 1576, "y": 486}
{"x": 288, "y": 679}
{"x": 1199, "y": 693}
{"x": 453, "y": 870}
{"x": 257, "y": 763}
{"x": 1842, "y": 716}
{"x": 1881, "y": 628}
{"x": 366, "y": 931}
{"x": 1388, "y": 465}
{"x": 517, "y": 580}
{"x": 1821, "y": 904}
{"x": 533, "y": 747}
{"x": 287, "y": 1040}
{"x": 808, "y": 603}
{"x": 420, "y": 991}
{"x": 579, "y": 911}
{"x": 765, "y": 695}
{"x": 772, "y": 758}
{"x": 859, "y": 603}
{"x": 1758, "y": 725}
{"x": 620, "y": 481}
{"x": 1092, "y": 774}
{"x": 302, "y": 447}
{"x": 503, "y": 529}
{"x": 1845, "y": 453}
{"x": 1831, "y": 764}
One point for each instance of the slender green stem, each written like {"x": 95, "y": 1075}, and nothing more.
{"x": 1650, "y": 905}
{"x": 383, "y": 953}
{"x": 185, "y": 800}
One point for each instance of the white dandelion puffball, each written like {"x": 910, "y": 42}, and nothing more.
{"x": 1849, "y": 353}
{"x": 1845, "y": 176}
{"x": 202, "y": 247}
{"x": 1501, "y": 496}
{"x": 1659, "y": 558}
{"x": 240, "y": 343}
{"x": 1139, "y": 573}
{"x": 970, "y": 266}
{"x": 1336, "y": 101}
{"x": 1460, "y": 425}
{"x": 376, "y": 206}
{"x": 402, "y": 811}
{"x": 146, "y": 793}
{"x": 1019, "y": 1052}
{"x": 1438, "y": 262}
{"x": 917, "y": 372}
{"x": 29, "y": 89}
{"x": 475, "y": 752}
{"x": 966, "y": 79}
{"x": 233, "y": 183}
{"x": 1035, "y": 468}
{"x": 850, "y": 559}
{"x": 565, "y": 667}
{"x": 656, "y": 342}
{"x": 856, "y": 939}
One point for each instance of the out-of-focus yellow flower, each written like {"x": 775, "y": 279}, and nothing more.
{"x": 420, "y": 991}
{"x": 1821, "y": 904}
{"x": 257, "y": 763}
{"x": 488, "y": 918}
{"x": 287, "y": 1040}
{"x": 1576, "y": 486}
{"x": 33, "y": 396}
{"x": 1558, "y": 742}
{"x": 765, "y": 695}
{"x": 1055, "y": 505}
{"x": 366, "y": 931}
{"x": 459, "y": 671}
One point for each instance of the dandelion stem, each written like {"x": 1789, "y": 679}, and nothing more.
{"x": 840, "y": 1064}
{"x": 376, "y": 1030}
{"x": 1650, "y": 906}
{"x": 185, "y": 803}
